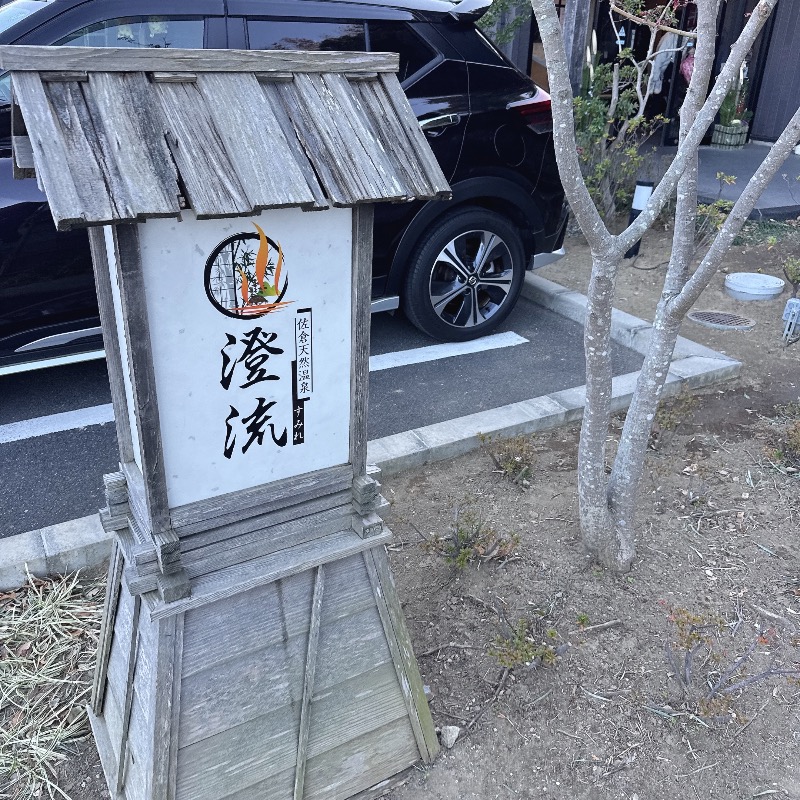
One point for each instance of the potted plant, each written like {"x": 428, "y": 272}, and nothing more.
{"x": 730, "y": 133}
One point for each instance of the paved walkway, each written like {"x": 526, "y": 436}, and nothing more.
{"x": 781, "y": 199}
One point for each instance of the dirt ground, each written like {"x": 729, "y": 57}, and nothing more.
{"x": 718, "y": 574}
{"x": 568, "y": 682}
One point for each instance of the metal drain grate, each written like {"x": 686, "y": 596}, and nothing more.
{"x": 722, "y": 320}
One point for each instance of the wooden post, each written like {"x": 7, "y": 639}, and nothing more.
{"x": 575, "y": 26}
{"x": 253, "y": 643}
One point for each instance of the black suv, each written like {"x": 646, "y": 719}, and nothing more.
{"x": 455, "y": 267}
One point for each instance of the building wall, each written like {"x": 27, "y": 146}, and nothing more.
{"x": 779, "y": 96}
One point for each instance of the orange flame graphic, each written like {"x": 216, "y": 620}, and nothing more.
{"x": 278, "y": 268}
{"x": 245, "y": 287}
{"x": 262, "y": 258}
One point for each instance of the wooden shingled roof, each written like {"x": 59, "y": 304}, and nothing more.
{"x": 120, "y": 135}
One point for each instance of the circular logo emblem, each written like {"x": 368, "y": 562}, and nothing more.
{"x": 472, "y": 280}
{"x": 246, "y": 276}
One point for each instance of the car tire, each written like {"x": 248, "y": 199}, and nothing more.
{"x": 456, "y": 290}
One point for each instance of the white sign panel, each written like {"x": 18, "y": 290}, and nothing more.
{"x": 251, "y": 334}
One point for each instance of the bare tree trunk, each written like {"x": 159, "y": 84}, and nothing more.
{"x": 608, "y": 503}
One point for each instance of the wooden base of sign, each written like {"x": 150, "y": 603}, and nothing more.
{"x": 299, "y": 682}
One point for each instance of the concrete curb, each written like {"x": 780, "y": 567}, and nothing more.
{"x": 54, "y": 550}
{"x": 81, "y": 543}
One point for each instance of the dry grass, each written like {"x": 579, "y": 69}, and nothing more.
{"x": 48, "y": 638}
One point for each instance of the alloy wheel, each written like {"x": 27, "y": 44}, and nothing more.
{"x": 471, "y": 278}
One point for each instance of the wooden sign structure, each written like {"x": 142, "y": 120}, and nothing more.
{"x": 253, "y": 644}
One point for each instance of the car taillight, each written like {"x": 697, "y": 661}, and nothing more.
{"x": 535, "y": 111}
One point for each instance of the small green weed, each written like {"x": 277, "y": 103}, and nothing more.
{"x": 789, "y": 411}
{"x": 791, "y": 269}
{"x": 523, "y": 648}
{"x": 471, "y": 539}
{"x": 582, "y": 619}
{"x": 513, "y": 458}
{"x": 766, "y": 231}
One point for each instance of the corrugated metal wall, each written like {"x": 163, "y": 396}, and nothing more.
{"x": 780, "y": 90}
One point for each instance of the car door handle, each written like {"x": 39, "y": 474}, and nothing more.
{"x": 433, "y": 123}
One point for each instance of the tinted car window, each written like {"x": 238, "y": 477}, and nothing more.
{"x": 397, "y": 37}
{"x": 152, "y": 31}
{"x": 268, "y": 34}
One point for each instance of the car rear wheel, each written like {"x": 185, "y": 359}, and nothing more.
{"x": 465, "y": 276}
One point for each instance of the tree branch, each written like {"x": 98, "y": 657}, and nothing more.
{"x": 701, "y": 124}
{"x": 656, "y": 25}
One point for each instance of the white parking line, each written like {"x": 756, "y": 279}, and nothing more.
{"x": 434, "y": 352}
{"x": 55, "y": 423}
{"x": 99, "y": 415}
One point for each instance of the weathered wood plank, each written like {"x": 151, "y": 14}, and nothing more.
{"x": 108, "y": 758}
{"x": 416, "y": 146}
{"x": 336, "y": 142}
{"x": 167, "y": 682}
{"x": 117, "y": 662}
{"x": 345, "y": 770}
{"x": 137, "y": 333}
{"x": 369, "y": 147}
{"x": 361, "y": 294}
{"x": 322, "y": 148}
{"x": 276, "y": 785}
{"x": 373, "y": 104}
{"x": 263, "y": 162}
{"x": 354, "y": 707}
{"x": 212, "y": 187}
{"x": 247, "y": 621}
{"x": 140, "y": 758}
{"x": 110, "y": 606}
{"x": 31, "y": 58}
{"x": 308, "y": 682}
{"x": 56, "y": 141}
{"x": 175, "y": 710}
{"x": 64, "y": 77}
{"x": 242, "y": 689}
{"x": 137, "y": 757}
{"x": 112, "y": 718}
{"x": 126, "y": 689}
{"x": 284, "y": 116}
{"x": 263, "y": 522}
{"x": 108, "y": 320}
{"x": 137, "y": 499}
{"x": 274, "y": 77}
{"x": 19, "y": 131}
{"x": 224, "y": 509}
{"x": 345, "y": 712}
{"x": 244, "y": 548}
{"x": 224, "y": 764}
{"x": 402, "y": 652}
{"x": 140, "y": 173}
{"x": 264, "y": 679}
{"x": 23, "y": 152}
{"x": 173, "y": 77}
{"x": 266, "y": 569}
